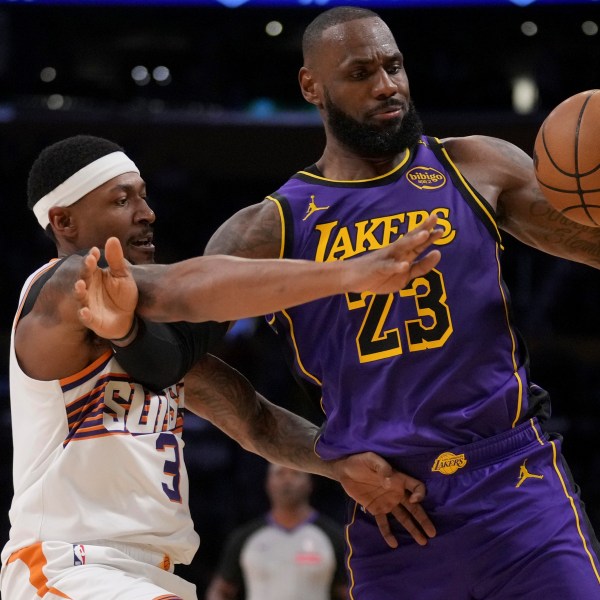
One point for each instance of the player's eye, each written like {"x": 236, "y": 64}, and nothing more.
{"x": 361, "y": 74}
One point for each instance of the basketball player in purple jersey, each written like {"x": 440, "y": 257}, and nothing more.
{"x": 433, "y": 377}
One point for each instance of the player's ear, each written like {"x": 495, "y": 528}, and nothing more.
{"x": 310, "y": 88}
{"x": 62, "y": 222}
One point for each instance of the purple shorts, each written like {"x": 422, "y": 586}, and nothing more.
{"x": 510, "y": 525}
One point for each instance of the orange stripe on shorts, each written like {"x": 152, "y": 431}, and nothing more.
{"x": 34, "y": 559}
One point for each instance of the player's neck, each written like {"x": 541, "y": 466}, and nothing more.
{"x": 341, "y": 164}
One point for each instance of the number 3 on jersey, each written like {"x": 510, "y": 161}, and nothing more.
{"x": 431, "y": 328}
{"x": 167, "y": 442}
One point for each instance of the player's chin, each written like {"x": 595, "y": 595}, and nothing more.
{"x": 140, "y": 254}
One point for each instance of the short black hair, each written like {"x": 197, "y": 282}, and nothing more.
{"x": 57, "y": 162}
{"x": 329, "y": 18}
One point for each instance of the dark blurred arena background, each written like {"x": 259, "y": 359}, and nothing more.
{"x": 205, "y": 99}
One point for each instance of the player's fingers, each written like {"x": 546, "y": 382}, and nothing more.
{"x": 405, "y": 519}
{"x": 418, "y": 515}
{"x": 434, "y": 236}
{"x": 426, "y": 224}
{"x": 80, "y": 290}
{"x": 417, "y": 250}
{"x": 386, "y": 532}
{"x": 417, "y": 492}
{"x": 380, "y": 466}
{"x": 115, "y": 258}
{"x": 85, "y": 316}
{"x": 90, "y": 262}
{"x": 416, "y": 488}
{"x": 409, "y": 247}
{"x": 411, "y": 241}
{"x": 425, "y": 264}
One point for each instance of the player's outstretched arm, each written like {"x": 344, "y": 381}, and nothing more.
{"x": 222, "y": 395}
{"x": 226, "y": 288}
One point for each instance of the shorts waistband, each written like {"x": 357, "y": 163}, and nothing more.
{"x": 137, "y": 552}
{"x": 472, "y": 456}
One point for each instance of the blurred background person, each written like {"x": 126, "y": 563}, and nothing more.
{"x": 291, "y": 553}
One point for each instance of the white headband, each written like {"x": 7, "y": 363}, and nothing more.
{"x": 82, "y": 182}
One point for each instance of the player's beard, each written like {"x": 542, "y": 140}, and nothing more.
{"x": 374, "y": 141}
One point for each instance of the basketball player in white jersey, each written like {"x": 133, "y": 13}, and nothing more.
{"x": 100, "y": 507}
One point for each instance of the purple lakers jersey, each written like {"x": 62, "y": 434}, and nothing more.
{"x": 436, "y": 364}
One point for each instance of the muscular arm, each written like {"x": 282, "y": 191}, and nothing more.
{"x": 253, "y": 232}
{"x": 225, "y": 288}
{"x": 220, "y": 394}
{"x": 50, "y": 342}
{"x": 223, "y": 396}
{"x": 505, "y": 176}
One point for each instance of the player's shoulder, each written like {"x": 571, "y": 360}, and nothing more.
{"x": 46, "y": 278}
{"x": 252, "y": 232}
{"x": 54, "y": 279}
{"x": 475, "y": 146}
{"x": 499, "y": 158}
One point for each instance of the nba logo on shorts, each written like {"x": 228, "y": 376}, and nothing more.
{"x": 78, "y": 554}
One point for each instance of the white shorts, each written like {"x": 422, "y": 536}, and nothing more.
{"x": 55, "y": 570}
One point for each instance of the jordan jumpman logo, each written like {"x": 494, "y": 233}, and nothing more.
{"x": 525, "y": 474}
{"x": 312, "y": 207}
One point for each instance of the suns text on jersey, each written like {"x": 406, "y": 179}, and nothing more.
{"x": 129, "y": 407}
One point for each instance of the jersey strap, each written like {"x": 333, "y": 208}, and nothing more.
{"x": 473, "y": 198}
{"x": 36, "y": 286}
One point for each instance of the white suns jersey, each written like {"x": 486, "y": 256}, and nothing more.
{"x": 97, "y": 457}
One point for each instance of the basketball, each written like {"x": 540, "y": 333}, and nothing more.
{"x": 566, "y": 158}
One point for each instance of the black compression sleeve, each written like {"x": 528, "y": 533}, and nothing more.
{"x": 162, "y": 353}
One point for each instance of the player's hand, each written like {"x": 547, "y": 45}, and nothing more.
{"x": 389, "y": 269}
{"x": 382, "y": 491}
{"x": 107, "y": 297}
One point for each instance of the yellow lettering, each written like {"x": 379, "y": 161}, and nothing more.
{"x": 390, "y": 229}
{"x": 449, "y": 234}
{"x": 415, "y": 218}
{"x": 342, "y": 246}
{"x": 365, "y": 235}
{"x": 324, "y": 230}
{"x": 373, "y": 234}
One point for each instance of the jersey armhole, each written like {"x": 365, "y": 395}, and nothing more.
{"x": 287, "y": 224}
{"x": 474, "y": 199}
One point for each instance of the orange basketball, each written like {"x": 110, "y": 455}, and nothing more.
{"x": 566, "y": 158}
